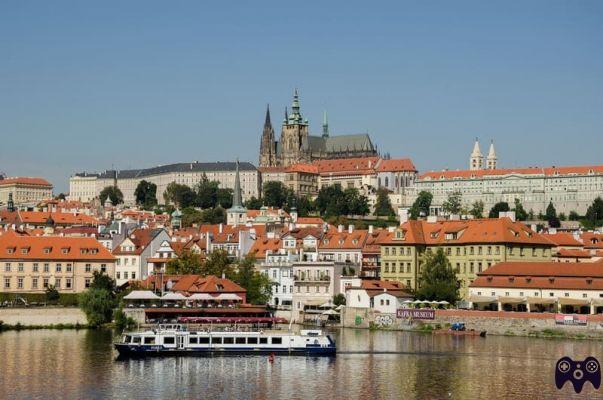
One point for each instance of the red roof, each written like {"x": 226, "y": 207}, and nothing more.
{"x": 310, "y": 221}
{"x": 304, "y": 168}
{"x": 547, "y": 171}
{"x": 592, "y": 240}
{"x": 399, "y": 165}
{"x": 262, "y": 245}
{"x": 344, "y": 240}
{"x": 573, "y": 253}
{"x": 360, "y": 165}
{"x": 25, "y": 181}
{"x": 562, "y": 239}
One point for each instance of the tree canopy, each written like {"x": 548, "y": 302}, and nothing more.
{"x": 258, "y": 285}
{"x": 551, "y": 216}
{"x": 520, "y": 212}
{"x": 113, "y": 193}
{"x": 454, "y": 203}
{"x": 186, "y": 263}
{"x": 383, "y": 206}
{"x": 275, "y": 194}
{"x": 180, "y": 195}
{"x": 499, "y": 207}
{"x": 438, "y": 279}
{"x": 420, "y": 208}
{"x": 146, "y": 194}
{"x": 594, "y": 214}
{"x": 477, "y": 209}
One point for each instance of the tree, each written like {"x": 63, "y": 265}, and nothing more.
{"x": 339, "y": 299}
{"x": 98, "y": 306}
{"x": 217, "y": 263}
{"x": 275, "y": 194}
{"x": 562, "y": 217}
{"x": 191, "y": 216}
{"x": 594, "y": 213}
{"x": 224, "y": 197}
{"x": 330, "y": 201}
{"x": 215, "y": 215}
{"x": 187, "y": 263}
{"x": 113, "y": 193}
{"x": 52, "y": 294}
{"x": 551, "y": 216}
{"x": 61, "y": 196}
{"x": 253, "y": 204}
{"x": 383, "y": 207}
{"x": 181, "y": 195}
{"x": 102, "y": 281}
{"x": 420, "y": 208}
{"x": 454, "y": 203}
{"x": 520, "y": 212}
{"x": 477, "y": 209}
{"x": 122, "y": 321}
{"x": 357, "y": 204}
{"x": 531, "y": 215}
{"x": 207, "y": 193}
{"x": 257, "y": 285}
{"x": 146, "y": 194}
{"x": 304, "y": 206}
{"x": 438, "y": 279}
{"x": 499, "y": 207}
{"x": 573, "y": 216}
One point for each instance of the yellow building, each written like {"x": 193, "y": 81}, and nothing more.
{"x": 29, "y": 264}
{"x": 471, "y": 246}
{"x": 24, "y": 191}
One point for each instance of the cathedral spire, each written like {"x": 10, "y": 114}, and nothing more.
{"x": 492, "y": 159}
{"x": 267, "y": 123}
{"x": 476, "y": 160}
{"x": 325, "y": 126}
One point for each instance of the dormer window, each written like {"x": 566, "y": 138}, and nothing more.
{"x": 489, "y": 279}
{"x": 355, "y": 241}
{"x": 325, "y": 241}
{"x": 47, "y": 250}
{"x": 528, "y": 279}
{"x": 10, "y": 250}
{"x": 65, "y": 250}
{"x": 341, "y": 241}
{"x": 24, "y": 250}
{"x": 589, "y": 281}
{"x": 551, "y": 279}
{"x": 511, "y": 279}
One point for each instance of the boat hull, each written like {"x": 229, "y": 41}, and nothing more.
{"x": 128, "y": 350}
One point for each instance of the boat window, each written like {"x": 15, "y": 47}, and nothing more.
{"x": 169, "y": 340}
{"x": 193, "y": 340}
{"x": 127, "y": 338}
{"x": 240, "y": 340}
{"x": 228, "y": 340}
{"x": 149, "y": 340}
{"x": 204, "y": 340}
{"x": 216, "y": 340}
{"x": 136, "y": 339}
{"x": 277, "y": 340}
{"x": 252, "y": 340}
{"x": 263, "y": 340}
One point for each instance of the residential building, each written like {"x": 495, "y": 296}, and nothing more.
{"x": 302, "y": 179}
{"x": 381, "y": 296}
{"x": 133, "y": 252}
{"x": 343, "y": 246}
{"x": 314, "y": 284}
{"x": 190, "y": 174}
{"x": 191, "y": 284}
{"x": 25, "y": 191}
{"x": 539, "y": 287}
{"x": 471, "y": 246}
{"x": 30, "y": 264}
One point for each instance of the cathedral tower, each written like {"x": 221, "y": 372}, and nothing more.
{"x": 294, "y": 136}
{"x": 477, "y": 159}
{"x": 491, "y": 160}
{"x": 268, "y": 144}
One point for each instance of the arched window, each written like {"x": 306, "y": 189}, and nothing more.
{"x": 386, "y": 181}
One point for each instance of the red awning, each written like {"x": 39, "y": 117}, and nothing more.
{"x": 231, "y": 320}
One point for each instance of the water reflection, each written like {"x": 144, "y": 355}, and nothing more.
{"x": 71, "y": 364}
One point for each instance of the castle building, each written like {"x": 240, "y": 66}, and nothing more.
{"x": 296, "y": 145}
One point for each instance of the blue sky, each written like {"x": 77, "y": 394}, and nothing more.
{"x": 141, "y": 83}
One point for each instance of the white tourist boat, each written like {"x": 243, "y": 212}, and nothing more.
{"x": 177, "y": 339}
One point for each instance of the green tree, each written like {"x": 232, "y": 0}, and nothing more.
{"x": 215, "y": 215}
{"x": 113, "y": 193}
{"x": 562, "y": 217}
{"x": 217, "y": 263}
{"x": 102, "y": 281}
{"x": 531, "y": 215}
{"x": 61, "y": 196}
{"x": 594, "y": 213}
{"x": 454, "y": 203}
{"x": 207, "y": 193}
{"x": 420, "y": 208}
{"x": 180, "y": 195}
{"x": 357, "y": 204}
{"x": 520, "y": 212}
{"x": 573, "y": 216}
{"x": 275, "y": 194}
{"x": 191, "y": 216}
{"x": 499, "y": 207}
{"x": 146, "y": 194}
{"x": 98, "y": 306}
{"x": 253, "y": 204}
{"x": 187, "y": 263}
{"x": 304, "y": 206}
{"x": 330, "y": 201}
{"x": 339, "y": 299}
{"x": 122, "y": 321}
{"x": 477, "y": 209}
{"x": 551, "y": 216}
{"x": 438, "y": 279}
{"x": 257, "y": 285}
{"x": 383, "y": 207}
{"x": 52, "y": 294}
{"x": 225, "y": 197}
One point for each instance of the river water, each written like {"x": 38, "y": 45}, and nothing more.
{"x": 50, "y": 364}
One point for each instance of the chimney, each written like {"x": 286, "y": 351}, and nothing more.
{"x": 220, "y": 228}
{"x": 403, "y": 213}
{"x": 432, "y": 219}
{"x": 370, "y": 229}
{"x": 340, "y": 228}
{"x": 350, "y": 228}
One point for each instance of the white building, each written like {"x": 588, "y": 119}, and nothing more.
{"x": 24, "y": 191}
{"x": 86, "y": 186}
{"x": 314, "y": 284}
{"x": 134, "y": 251}
{"x": 381, "y": 296}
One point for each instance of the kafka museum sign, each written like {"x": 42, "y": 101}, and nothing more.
{"x": 415, "y": 313}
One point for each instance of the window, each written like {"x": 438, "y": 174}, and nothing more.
{"x": 240, "y": 340}
{"x": 68, "y": 283}
{"x": 216, "y": 340}
{"x": 45, "y": 283}
{"x": 277, "y": 340}
{"x": 193, "y": 340}
{"x": 566, "y": 294}
{"x": 551, "y": 294}
{"x": 228, "y": 340}
{"x": 57, "y": 283}
{"x": 204, "y": 340}
{"x": 149, "y": 340}
{"x": 34, "y": 283}
{"x": 69, "y": 268}
{"x": 584, "y": 295}
{"x": 117, "y": 275}
{"x": 535, "y": 294}
{"x": 87, "y": 284}
{"x": 46, "y": 267}
{"x": 263, "y": 340}
{"x": 252, "y": 340}
{"x": 7, "y": 283}
{"x": 35, "y": 267}
{"x": 7, "y": 267}
{"x": 19, "y": 283}
{"x": 58, "y": 268}
{"x": 169, "y": 340}
{"x": 88, "y": 267}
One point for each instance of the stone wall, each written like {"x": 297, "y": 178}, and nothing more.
{"x": 495, "y": 323}
{"x": 42, "y": 316}
{"x": 137, "y": 314}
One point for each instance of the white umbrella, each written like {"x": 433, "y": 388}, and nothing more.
{"x": 228, "y": 296}
{"x": 339, "y": 308}
{"x": 330, "y": 312}
{"x": 443, "y": 302}
{"x": 328, "y": 304}
{"x": 407, "y": 302}
{"x": 173, "y": 296}
{"x": 201, "y": 296}
{"x": 141, "y": 295}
